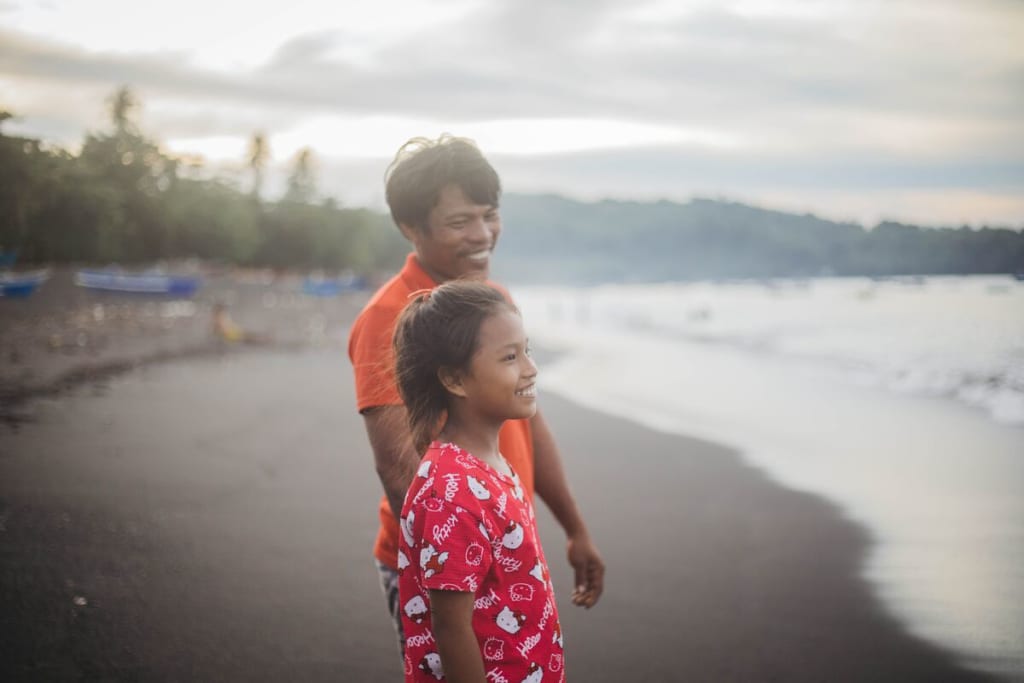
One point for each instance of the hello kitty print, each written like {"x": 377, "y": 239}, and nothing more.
{"x": 466, "y": 527}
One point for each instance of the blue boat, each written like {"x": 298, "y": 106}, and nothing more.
{"x": 21, "y": 285}
{"x": 318, "y": 286}
{"x": 138, "y": 283}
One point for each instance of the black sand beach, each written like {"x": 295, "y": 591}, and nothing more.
{"x": 210, "y": 518}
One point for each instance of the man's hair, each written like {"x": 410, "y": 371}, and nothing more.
{"x": 423, "y": 167}
{"x": 438, "y": 330}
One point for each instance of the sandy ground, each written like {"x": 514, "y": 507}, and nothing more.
{"x": 63, "y": 334}
{"x": 210, "y": 518}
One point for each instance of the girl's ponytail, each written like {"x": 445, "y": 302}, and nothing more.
{"x": 421, "y": 390}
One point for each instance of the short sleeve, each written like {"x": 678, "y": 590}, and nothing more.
{"x": 454, "y": 551}
{"x": 369, "y": 349}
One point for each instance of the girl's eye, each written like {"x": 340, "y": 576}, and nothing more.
{"x": 529, "y": 352}
{"x": 510, "y": 356}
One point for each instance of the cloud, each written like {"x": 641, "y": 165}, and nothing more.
{"x": 585, "y": 60}
{"x": 811, "y": 96}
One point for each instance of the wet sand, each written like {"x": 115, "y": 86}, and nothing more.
{"x": 210, "y": 518}
{"x": 172, "y": 507}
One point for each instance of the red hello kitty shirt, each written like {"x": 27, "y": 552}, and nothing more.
{"x": 467, "y": 527}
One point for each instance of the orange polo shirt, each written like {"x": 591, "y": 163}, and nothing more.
{"x": 369, "y": 349}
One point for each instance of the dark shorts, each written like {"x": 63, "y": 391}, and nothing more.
{"x": 389, "y": 584}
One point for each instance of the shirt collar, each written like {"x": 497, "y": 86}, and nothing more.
{"x": 414, "y": 276}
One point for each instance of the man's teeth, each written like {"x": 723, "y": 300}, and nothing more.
{"x": 479, "y": 255}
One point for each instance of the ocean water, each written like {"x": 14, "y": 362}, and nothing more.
{"x": 900, "y": 400}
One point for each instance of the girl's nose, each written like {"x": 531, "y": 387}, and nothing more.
{"x": 531, "y": 366}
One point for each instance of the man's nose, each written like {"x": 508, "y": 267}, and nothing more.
{"x": 479, "y": 230}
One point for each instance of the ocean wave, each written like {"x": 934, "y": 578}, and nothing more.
{"x": 957, "y": 338}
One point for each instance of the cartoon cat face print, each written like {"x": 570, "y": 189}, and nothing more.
{"x": 514, "y": 535}
{"x": 406, "y": 524}
{"x": 477, "y": 488}
{"x": 431, "y": 561}
{"x": 535, "y": 675}
{"x": 416, "y": 609}
{"x": 509, "y": 620}
{"x": 431, "y": 664}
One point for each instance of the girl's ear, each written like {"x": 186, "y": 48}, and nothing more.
{"x": 451, "y": 380}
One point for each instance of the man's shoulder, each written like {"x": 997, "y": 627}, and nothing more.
{"x": 501, "y": 288}
{"x": 384, "y": 306}
{"x": 392, "y": 295}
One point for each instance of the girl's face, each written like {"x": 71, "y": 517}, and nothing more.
{"x": 501, "y": 379}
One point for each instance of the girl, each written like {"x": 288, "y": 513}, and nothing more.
{"x": 477, "y": 602}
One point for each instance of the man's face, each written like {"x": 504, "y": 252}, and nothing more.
{"x": 459, "y": 237}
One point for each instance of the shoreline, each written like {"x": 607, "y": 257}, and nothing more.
{"x": 780, "y": 571}
{"x": 923, "y": 477}
{"x": 245, "y": 554}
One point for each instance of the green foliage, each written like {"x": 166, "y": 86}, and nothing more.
{"x": 633, "y": 242}
{"x": 301, "y": 185}
{"x": 124, "y": 200}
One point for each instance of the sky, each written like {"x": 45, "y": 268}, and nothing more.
{"x": 860, "y": 110}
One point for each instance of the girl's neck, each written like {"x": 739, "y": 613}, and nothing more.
{"x": 480, "y": 440}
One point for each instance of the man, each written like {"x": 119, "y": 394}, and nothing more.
{"x": 443, "y": 196}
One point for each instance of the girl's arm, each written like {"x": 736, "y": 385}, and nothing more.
{"x": 452, "y": 617}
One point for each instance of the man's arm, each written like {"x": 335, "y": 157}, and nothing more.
{"x": 551, "y": 485}
{"x": 393, "y": 453}
{"x": 451, "y": 614}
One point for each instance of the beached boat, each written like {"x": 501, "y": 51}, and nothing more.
{"x": 318, "y": 286}
{"x": 15, "y": 285}
{"x": 138, "y": 283}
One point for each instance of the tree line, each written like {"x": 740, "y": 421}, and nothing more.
{"x": 616, "y": 241}
{"x": 121, "y": 199}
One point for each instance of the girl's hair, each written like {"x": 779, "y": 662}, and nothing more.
{"x": 438, "y": 329}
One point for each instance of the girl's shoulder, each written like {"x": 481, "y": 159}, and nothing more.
{"x": 451, "y": 476}
{"x": 446, "y": 458}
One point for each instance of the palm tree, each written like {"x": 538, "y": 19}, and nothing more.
{"x": 259, "y": 153}
{"x": 123, "y": 104}
{"x": 301, "y": 183}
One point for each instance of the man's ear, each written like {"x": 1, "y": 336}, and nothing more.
{"x": 409, "y": 232}
{"x": 451, "y": 380}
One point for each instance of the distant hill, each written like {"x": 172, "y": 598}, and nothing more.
{"x": 551, "y": 239}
